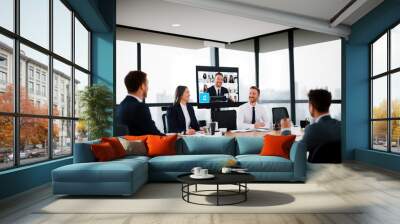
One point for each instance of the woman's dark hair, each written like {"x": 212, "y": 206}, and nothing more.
{"x": 320, "y": 99}
{"x": 179, "y": 93}
{"x": 134, "y": 79}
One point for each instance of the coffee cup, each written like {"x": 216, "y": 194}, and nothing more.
{"x": 226, "y": 170}
{"x": 196, "y": 171}
{"x": 203, "y": 172}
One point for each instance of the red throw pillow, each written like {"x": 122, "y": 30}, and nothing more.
{"x": 103, "y": 152}
{"x": 161, "y": 145}
{"x": 277, "y": 145}
{"x": 116, "y": 145}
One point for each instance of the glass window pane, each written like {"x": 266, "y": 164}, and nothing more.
{"x": 274, "y": 67}
{"x": 395, "y": 47}
{"x": 62, "y": 138}
{"x": 6, "y": 142}
{"x": 126, "y": 61}
{"x": 62, "y": 89}
{"x": 318, "y": 65}
{"x": 81, "y": 81}
{"x": 168, "y": 67}
{"x": 244, "y": 60}
{"x": 34, "y": 96}
{"x": 81, "y": 131}
{"x": 33, "y": 140}
{"x": 81, "y": 45}
{"x": 302, "y": 112}
{"x": 395, "y": 136}
{"x": 7, "y": 14}
{"x": 379, "y": 135}
{"x": 395, "y": 95}
{"x": 62, "y": 29}
{"x": 6, "y": 74}
{"x": 34, "y": 21}
{"x": 379, "y": 98}
{"x": 379, "y": 56}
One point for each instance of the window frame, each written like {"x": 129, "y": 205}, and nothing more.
{"x": 16, "y": 114}
{"x": 388, "y": 74}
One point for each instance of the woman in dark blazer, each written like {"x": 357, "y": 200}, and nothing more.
{"x": 181, "y": 117}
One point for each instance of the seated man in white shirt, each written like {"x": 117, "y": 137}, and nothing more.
{"x": 251, "y": 114}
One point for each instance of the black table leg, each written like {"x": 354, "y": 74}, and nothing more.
{"x": 196, "y": 187}
{"x": 217, "y": 194}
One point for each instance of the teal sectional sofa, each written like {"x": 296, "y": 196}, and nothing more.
{"x": 125, "y": 176}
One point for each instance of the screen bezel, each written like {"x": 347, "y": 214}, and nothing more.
{"x": 216, "y": 69}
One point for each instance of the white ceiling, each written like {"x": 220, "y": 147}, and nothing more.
{"x": 160, "y": 15}
{"x": 320, "y": 9}
{"x": 232, "y": 20}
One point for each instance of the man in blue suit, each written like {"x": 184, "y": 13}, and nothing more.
{"x": 322, "y": 138}
{"x": 132, "y": 111}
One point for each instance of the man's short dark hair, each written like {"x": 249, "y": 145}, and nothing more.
{"x": 134, "y": 79}
{"x": 219, "y": 73}
{"x": 256, "y": 88}
{"x": 320, "y": 99}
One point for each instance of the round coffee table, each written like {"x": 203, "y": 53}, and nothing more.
{"x": 238, "y": 179}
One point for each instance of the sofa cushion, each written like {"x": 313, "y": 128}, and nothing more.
{"x": 161, "y": 145}
{"x": 198, "y": 145}
{"x": 83, "y": 152}
{"x": 257, "y": 163}
{"x": 185, "y": 163}
{"x": 277, "y": 145}
{"x": 116, "y": 145}
{"x": 103, "y": 152}
{"x": 112, "y": 171}
{"x": 249, "y": 145}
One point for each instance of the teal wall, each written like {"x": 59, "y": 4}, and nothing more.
{"x": 356, "y": 100}
{"x": 99, "y": 16}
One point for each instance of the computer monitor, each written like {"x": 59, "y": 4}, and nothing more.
{"x": 217, "y": 86}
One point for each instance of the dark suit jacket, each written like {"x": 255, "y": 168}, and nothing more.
{"x": 176, "y": 119}
{"x": 317, "y": 135}
{"x": 213, "y": 92}
{"x": 136, "y": 116}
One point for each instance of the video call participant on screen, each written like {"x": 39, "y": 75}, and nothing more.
{"x": 251, "y": 114}
{"x": 217, "y": 91}
{"x": 181, "y": 117}
{"x": 132, "y": 111}
{"x": 324, "y": 129}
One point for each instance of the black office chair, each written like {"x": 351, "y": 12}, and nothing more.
{"x": 278, "y": 113}
{"x": 330, "y": 152}
{"x": 225, "y": 118}
{"x": 165, "y": 123}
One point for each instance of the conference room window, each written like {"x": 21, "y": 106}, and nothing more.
{"x": 241, "y": 55}
{"x": 170, "y": 66}
{"x": 126, "y": 61}
{"x": 326, "y": 50}
{"x": 385, "y": 97}
{"x": 274, "y": 76}
{"x": 38, "y": 125}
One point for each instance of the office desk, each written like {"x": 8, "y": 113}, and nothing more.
{"x": 299, "y": 133}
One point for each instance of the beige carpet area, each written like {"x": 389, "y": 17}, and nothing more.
{"x": 166, "y": 198}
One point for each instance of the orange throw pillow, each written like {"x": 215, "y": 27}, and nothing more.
{"x": 103, "y": 152}
{"x": 161, "y": 145}
{"x": 116, "y": 145}
{"x": 136, "y": 138}
{"x": 277, "y": 145}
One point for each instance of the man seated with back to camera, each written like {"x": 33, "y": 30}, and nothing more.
{"x": 132, "y": 111}
{"x": 324, "y": 129}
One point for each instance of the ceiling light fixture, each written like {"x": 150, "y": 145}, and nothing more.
{"x": 176, "y": 25}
